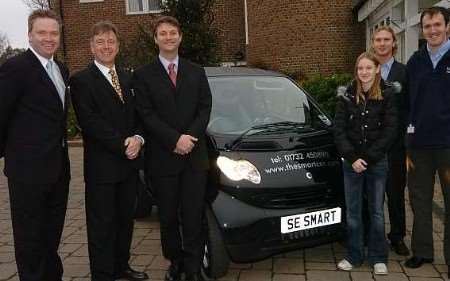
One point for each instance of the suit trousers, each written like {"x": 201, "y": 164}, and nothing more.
{"x": 38, "y": 212}
{"x": 421, "y": 179}
{"x": 110, "y": 221}
{"x": 395, "y": 190}
{"x": 181, "y": 201}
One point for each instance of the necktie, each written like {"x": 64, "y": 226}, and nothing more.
{"x": 115, "y": 83}
{"x": 172, "y": 74}
{"x": 55, "y": 76}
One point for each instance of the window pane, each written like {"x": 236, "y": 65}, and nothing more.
{"x": 135, "y": 6}
{"x": 154, "y": 5}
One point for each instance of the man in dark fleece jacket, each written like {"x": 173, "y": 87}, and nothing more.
{"x": 428, "y": 133}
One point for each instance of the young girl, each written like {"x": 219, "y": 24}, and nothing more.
{"x": 365, "y": 125}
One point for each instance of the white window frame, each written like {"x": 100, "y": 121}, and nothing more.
{"x": 145, "y": 9}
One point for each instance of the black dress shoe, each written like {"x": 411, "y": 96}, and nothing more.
{"x": 400, "y": 248}
{"x": 415, "y": 262}
{"x": 194, "y": 277}
{"x": 132, "y": 275}
{"x": 174, "y": 271}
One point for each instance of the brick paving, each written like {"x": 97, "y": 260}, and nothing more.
{"x": 314, "y": 264}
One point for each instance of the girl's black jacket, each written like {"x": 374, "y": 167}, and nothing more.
{"x": 365, "y": 130}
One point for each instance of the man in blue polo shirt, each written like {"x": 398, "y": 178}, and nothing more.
{"x": 428, "y": 133}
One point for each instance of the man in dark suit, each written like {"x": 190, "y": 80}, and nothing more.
{"x": 384, "y": 45}
{"x": 174, "y": 102}
{"x": 33, "y": 111}
{"x": 105, "y": 108}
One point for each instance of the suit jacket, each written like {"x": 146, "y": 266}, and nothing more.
{"x": 398, "y": 73}
{"x": 105, "y": 122}
{"x": 167, "y": 112}
{"x": 32, "y": 121}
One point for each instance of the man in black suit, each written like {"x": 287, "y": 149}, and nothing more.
{"x": 33, "y": 111}
{"x": 174, "y": 102}
{"x": 384, "y": 45}
{"x": 105, "y": 108}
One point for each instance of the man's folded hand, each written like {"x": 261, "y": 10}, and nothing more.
{"x": 133, "y": 145}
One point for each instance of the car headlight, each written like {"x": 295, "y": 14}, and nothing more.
{"x": 237, "y": 170}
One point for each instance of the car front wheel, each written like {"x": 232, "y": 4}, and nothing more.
{"x": 215, "y": 260}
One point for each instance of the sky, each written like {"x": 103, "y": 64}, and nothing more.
{"x": 13, "y": 22}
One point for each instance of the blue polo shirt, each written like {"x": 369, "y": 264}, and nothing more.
{"x": 437, "y": 56}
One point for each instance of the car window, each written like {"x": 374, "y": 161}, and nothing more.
{"x": 245, "y": 101}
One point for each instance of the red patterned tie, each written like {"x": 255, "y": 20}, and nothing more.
{"x": 172, "y": 74}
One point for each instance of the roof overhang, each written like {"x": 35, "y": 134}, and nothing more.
{"x": 356, "y": 4}
{"x": 365, "y": 8}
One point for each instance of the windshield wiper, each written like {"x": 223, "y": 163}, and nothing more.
{"x": 271, "y": 127}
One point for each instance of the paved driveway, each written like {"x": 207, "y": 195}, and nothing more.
{"x": 314, "y": 264}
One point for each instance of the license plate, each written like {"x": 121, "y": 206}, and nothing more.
{"x": 310, "y": 220}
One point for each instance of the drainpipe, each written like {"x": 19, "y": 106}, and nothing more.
{"x": 246, "y": 22}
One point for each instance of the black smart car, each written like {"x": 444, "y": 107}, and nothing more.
{"x": 275, "y": 183}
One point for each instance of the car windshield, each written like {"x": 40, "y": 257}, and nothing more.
{"x": 240, "y": 103}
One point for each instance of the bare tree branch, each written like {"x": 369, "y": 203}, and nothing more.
{"x": 38, "y": 4}
{"x": 4, "y": 43}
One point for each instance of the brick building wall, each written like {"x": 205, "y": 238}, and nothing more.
{"x": 79, "y": 17}
{"x": 229, "y": 21}
{"x": 306, "y": 37}
{"x": 302, "y": 36}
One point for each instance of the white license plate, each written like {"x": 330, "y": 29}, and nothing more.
{"x": 310, "y": 220}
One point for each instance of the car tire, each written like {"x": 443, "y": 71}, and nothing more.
{"x": 215, "y": 260}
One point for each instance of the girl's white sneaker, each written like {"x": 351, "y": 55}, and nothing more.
{"x": 380, "y": 269}
{"x": 345, "y": 265}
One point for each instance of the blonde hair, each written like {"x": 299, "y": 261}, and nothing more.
{"x": 375, "y": 89}
{"x": 394, "y": 38}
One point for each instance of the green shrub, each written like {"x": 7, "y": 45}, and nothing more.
{"x": 138, "y": 51}
{"x": 323, "y": 89}
{"x": 73, "y": 130}
{"x": 199, "y": 43}
{"x": 199, "y": 34}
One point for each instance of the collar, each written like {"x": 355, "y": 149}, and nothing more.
{"x": 165, "y": 62}
{"x": 441, "y": 51}
{"x": 386, "y": 68}
{"x": 42, "y": 59}
{"x": 389, "y": 63}
{"x": 104, "y": 69}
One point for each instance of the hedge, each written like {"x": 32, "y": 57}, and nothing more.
{"x": 323, "y": 89}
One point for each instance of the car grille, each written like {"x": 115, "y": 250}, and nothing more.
{"x": 313, "y": 196}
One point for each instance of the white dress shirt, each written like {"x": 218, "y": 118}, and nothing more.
{"x": 105, "y": 71}
{"x": 165, "y": 62}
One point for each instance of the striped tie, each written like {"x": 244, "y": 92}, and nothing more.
{"x": 172, "y": 74}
